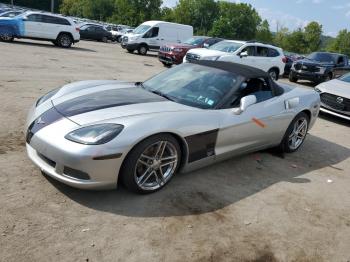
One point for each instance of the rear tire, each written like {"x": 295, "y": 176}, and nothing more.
{"x": 273, "y": 74}
{"x": 292, "y": 78}
{"x": 119, "y": 39}
{"x": 64, "y": 40}
{"x": 7, "y": 38}
{"x": 142, "y": 50}
{"x": 151, "y": 164}
{"x": 104, "y": 39}
{"x": 295, "y": 134}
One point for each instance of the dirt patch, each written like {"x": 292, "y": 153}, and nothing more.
{"x": 14, "y": 141}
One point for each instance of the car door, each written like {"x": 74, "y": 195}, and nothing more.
{"x": 246, "y": 56}
{"x": 32, "y": 26}
{"x": 86, "y": 32}
{"x": 262, "y": 59}
{"x": 151, "y": 37}
{"x": 261, "y": 125}
{"x": 49, "y": 29}
{"x": 342, "y": 67}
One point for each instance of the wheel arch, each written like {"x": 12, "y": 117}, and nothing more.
{"x": 182, "y": 143}
{"x": 276, "y": 69}
{"x": 67, "y": 33}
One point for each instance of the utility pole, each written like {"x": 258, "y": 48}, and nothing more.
{"x": 52, "y": 5}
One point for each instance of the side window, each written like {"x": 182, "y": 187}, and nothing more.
{"x": 273, "y": 52}
{"x": 34, "y": 18}
{"x": 341, "y": 61}
{"x": 262, "y": 51}
{"x": 152, "y": 33}
{"x": 259, "y": 87}
{"x": 249, "y": 49}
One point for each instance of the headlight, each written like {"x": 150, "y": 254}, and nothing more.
{"x": 212, "y": 58}
{"x": 46, "y": 97}
{"x": 177, "y": 49}
{"x": 95, "y": 134}
{"x": 321, "y": 69}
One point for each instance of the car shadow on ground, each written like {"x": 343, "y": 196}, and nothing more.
{"x": 334, "y": 119}
{"x": 50, "y": 45}
{"x": 149, "y": 53}
{"x": 216, "y": 186}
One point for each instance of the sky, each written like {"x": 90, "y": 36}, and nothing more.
{"x": 334, "y": 15}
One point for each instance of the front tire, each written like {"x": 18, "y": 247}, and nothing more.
{"x": 292, "y": 78}
{"x": 104, "y": 39}
{"x": 64, "y": 40}
{"x": 142, "y": 50}
{"x": 296, "y": 133}
{"x": 151, "y": 164}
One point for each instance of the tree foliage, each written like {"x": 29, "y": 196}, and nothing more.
{"x": 341, "y": 44}
{"x": 236, "y": 21}
{"x": 263, "y": 32}
{"x": 312, "y": 35}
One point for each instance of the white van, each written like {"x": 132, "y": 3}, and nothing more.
{"x": 151, "y": 35}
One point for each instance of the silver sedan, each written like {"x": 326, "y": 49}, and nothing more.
{"x": 91, "y": 134}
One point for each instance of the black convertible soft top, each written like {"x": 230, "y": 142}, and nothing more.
{"x": 243, "y": 70}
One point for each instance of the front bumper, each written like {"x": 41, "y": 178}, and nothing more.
{"x": 304, "y": 75}
{"x": 72, "y": 163}
{"x": 325, "y": 110}
{"x": 132, "y": 46}
{"x": 169, "y": 58}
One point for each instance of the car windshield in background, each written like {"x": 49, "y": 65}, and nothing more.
{"x": 194, "y": 41}
{"x": 345, "y": 78}
{"x": 193, "y": 85}
{"x": 322, "y": 57}
{"x": 226, "y": 46}
{"x": 141, "y": 29}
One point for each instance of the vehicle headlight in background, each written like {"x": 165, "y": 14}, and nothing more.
{"x": 46, "y": 97}
{"x": 321, "y": 69}
{"x": 95, "y": 134}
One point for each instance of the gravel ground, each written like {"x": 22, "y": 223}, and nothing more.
{"x": 258, "y": 207}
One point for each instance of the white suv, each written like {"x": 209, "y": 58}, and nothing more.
{"x": 265, "y": 57}
{"x": 58, "y": 29}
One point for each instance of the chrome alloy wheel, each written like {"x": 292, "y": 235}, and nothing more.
{"x": 65, "y": 41}
{"x": 156, "y": 165}
{"x": 298, "y": 133}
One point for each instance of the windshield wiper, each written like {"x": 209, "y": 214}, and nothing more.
{"x": 162, "y": 95}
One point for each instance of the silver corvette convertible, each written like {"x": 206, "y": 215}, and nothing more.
{"x": 91, "y": 134}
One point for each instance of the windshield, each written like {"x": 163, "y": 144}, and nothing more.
{"x": 345, "y": 78}
{"x": 141, "y": 29}
{"x": 322, "y": 57}
{"x": 194, "y": 41}
{"x": 226, "y": 46}
{"x": 193, "y": 85}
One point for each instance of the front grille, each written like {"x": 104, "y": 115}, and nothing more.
{"x": 192, "y": 57}
{"x": 165, "y": 49}
{"x": 307, "y": 67}
{"x": 75, "y": 173}
{"x": 47, "y": 160}
{"x": 337, "y": 103}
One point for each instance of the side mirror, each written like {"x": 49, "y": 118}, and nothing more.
{"x": 243, "y": 54}
{"x": 205, "y": 45}
{"x": 246, "y": 102}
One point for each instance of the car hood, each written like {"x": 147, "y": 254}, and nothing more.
{"x": 204, "y": 52}
{"x": 176, "y": 45}
{"x": 313, "y": 62}
{"x": 336, "y": 87}
{"x": 96, "y": 101}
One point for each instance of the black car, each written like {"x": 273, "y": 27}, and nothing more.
{"x": 317, "y": 67}
{"x": 95, "y": 32}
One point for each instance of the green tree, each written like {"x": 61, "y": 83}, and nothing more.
{"x": 92, "y": 9}
{"x": 263, "y": 32}
{"x": 312, "y": 34}
{"x": 167, "y": 14}
{"x": 341, "y": 44}
{"x": 236, "y": 21}
{"x": 281, "y": 37}
{"x": 135, "y": 12}
{"x": 295, "y": 42}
